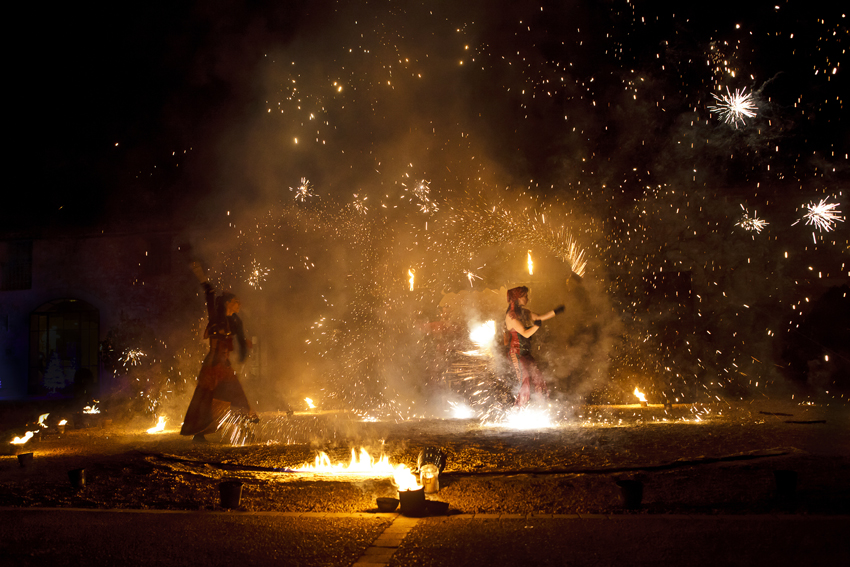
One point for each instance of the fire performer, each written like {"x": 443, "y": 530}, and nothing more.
{"x": 520, "y": 325}
{"x": 218, "y": 387}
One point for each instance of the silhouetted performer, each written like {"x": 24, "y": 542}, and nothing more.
{"x": 520, "y": 325}
{"x": 218, "y": 387}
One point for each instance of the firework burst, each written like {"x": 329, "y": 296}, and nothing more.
{"x": 734, "y": 107}
{"x": 751, "y": 223}
{"x": 823, "y": 215}
{"x": 132, "y": 357}
{"x": 359, "y": 204}
{"x": 303, "y": 191}
{"x": 257, "y": 275}
{"x": 422, "y": 191}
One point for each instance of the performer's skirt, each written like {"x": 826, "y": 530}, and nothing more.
{"x": 217, "y": 391}
{"x": 529, "y": 377}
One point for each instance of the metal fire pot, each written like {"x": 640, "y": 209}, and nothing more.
{"x": 412, "y": 502}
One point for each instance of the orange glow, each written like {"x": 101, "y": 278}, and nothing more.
{"x": 159, "y": 427}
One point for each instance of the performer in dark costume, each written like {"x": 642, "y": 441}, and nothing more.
{"x": 218, "y": 388}
{"x": 520, "y": 325}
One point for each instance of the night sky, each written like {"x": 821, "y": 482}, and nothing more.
{"x": 596, "y": 114}
{"x": 114, "y": 102}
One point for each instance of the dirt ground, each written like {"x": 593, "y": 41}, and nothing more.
{"x": 690, "y": 460}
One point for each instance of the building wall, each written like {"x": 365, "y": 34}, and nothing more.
{"x": 128, "y": 275}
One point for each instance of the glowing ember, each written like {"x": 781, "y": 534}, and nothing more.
{"x": 410, "y": 273}
{"x": 640, "y": 395}
{"x": 24, "y": 439}
{"x": 530, "y": 264}
{"x": 92, "y": 408}
{"x": 471, "y": 276}
{"x": 310, "y": 404}
{"x": 159, "y": 427}
{"x": 483, "y": 334}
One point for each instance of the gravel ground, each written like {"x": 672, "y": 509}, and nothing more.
{"x": 723, "y": 463}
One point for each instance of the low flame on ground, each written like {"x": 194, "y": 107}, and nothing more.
{"x": 159, "y": 427}
{"x": 24, "y": 439}
{"x": 92, "y": 408}
{"x": 310, "y": 404}
{"x": 364, "y": 464}
{"x": 640, "y": 395}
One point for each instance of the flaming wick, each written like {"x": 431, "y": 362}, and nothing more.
{"x": 640, "y": 396}
{"x": 530, "y": 264}
{"x": 310, "y": 404}
{"x": 410, "y": 273}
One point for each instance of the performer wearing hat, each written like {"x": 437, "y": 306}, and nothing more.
{"x": 520, "y": 325}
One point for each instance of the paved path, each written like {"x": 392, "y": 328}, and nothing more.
{"x": 59, "y": 537}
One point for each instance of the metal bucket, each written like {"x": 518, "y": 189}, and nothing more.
{"x": 77, "y": 478}
{"x": 412, "y": 502}
{"x": 231, "y": 493}
{"x": 631, "y": 493}
{"x": 786, "y": 483}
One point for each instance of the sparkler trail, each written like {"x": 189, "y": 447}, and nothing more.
{"x": 733, "y": 108}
